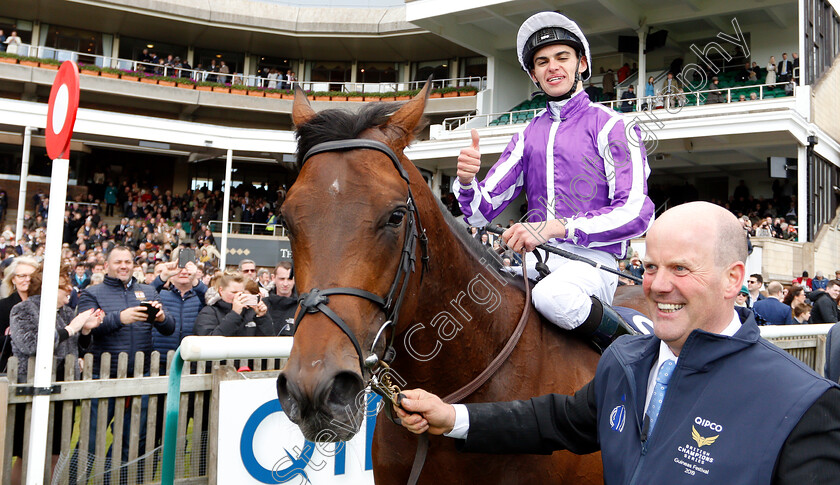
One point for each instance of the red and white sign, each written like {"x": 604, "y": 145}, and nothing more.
{"x": 61, "y": 115}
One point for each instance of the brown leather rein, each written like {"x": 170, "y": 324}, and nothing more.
{"x": 480, "y": 380}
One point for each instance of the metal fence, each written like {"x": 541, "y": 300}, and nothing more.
{"x": 96, "y": 459}
{"x": 43, "y": 52}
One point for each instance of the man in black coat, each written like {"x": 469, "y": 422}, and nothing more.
{"x": 282, "y": 300}
{"x": 698, "y": 370}
{"x": 825, "y": 303}
{"x": 832, "y": 354}
{"x": 785, "y": 69}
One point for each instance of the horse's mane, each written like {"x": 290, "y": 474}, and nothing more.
{"x": 341, "y": 124}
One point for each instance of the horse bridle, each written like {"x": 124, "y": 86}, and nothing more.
{"x": 316, "y": 300}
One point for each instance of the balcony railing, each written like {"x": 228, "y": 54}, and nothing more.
{"x": 699, "y": 98}
{"x": 43, "y": 52}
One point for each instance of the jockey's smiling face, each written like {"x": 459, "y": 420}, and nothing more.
{"x": 554, "y": 68}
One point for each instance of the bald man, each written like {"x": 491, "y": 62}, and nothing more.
{"x": 703, "y": 400}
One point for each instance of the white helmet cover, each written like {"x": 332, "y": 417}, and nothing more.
{"x": 544, "y": 20}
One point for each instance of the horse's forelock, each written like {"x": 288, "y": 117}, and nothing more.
{"x": 340, "y": 124}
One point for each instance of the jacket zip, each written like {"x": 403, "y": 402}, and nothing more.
{"x": 644, "y": 441}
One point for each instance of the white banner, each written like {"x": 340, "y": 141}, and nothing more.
{"x": 258, "y": 444}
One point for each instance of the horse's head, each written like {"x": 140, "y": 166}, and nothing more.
{"x": 354, "y": 233}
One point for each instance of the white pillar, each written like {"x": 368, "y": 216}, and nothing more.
{"x": 24, "y": 175}
{"x": 436, "y": 181}
{"x": 115, "y": 52}
{"x": 802, "y": 192}
{"x": 225, "y": 209}
{"x": 36, "y": 458}
{"x": 641, "y": 87}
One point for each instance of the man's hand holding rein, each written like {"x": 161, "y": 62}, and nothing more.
{"x": 531, "y": 234}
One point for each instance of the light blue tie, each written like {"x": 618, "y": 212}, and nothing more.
{"x": 662, "y": 378}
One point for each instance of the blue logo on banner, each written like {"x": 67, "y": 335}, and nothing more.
{"x": 297, "y": 466}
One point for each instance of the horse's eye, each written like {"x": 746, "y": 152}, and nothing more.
{"x": 396, "y": 217}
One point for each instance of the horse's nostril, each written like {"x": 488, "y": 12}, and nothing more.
{"x": 347, "y": 389}
{"x": 288, "y": 401}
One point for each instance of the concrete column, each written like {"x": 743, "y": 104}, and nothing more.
{"x": 453, "y": 68}
{"x": 115, "y": 50}
{"x": 642, "y": 84}
{"x": 353, "y": 68}
{"x": 802, "y": 216}
{"x": 436, "y": 180}
{"x": 36, "y": 33}
{"x": 191, "y": 56}
{"x": 24, "y": 175}
{"x": 226, "y": 210}
{"x": 246, "y": 67}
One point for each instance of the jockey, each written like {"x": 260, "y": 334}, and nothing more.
{"x": 585, "y": 179}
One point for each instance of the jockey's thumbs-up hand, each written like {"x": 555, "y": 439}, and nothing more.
{"x": 469, "y": 161}
{"x": 422, "y": 411}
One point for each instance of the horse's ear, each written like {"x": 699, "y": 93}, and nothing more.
{"x": 302, "y": 111}
{"x": 404, "y": 122}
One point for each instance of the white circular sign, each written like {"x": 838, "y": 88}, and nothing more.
{"x": 59, "y": 115}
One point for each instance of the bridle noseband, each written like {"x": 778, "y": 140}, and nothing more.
{"x": 317, "y": 300}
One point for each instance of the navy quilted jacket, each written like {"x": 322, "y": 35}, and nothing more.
{"x": 113, "y": 336}
{"x": 183, "y": 308}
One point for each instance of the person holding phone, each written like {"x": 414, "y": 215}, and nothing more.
{"x": 126, "y": 327}
{"x": 239, "y": 312}
{"x": 182, "y": 295}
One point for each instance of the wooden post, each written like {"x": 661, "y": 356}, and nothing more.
{"x": 119, "y": 414}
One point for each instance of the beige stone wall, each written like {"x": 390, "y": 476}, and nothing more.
{"x": 781, "y": 260}
{"x": 825, "y": 101}
{"x": 827, "y": 249}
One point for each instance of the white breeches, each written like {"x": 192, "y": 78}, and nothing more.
{"x": 563, "y": 296}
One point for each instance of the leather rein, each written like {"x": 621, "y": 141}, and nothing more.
{"x": 316, "y": 301}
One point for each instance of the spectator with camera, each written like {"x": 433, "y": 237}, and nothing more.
{"x": 132, "y": 310}
{"x": 182, "y": 296}
{"x": 238, "y": 312}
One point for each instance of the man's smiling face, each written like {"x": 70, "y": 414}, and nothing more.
{"x": 554, "y": 68}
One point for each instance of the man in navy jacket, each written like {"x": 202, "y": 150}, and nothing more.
{"x": 737, "y": 409}
{"x": 124, "y": 329}
{"x": 771, "y": 310}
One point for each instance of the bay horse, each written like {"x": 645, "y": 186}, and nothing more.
{"x": 349, "y": 216}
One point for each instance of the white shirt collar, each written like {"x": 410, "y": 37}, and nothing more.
{"x": 556, "y": 106}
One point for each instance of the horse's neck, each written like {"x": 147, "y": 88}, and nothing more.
{"x": 465, "y": 313}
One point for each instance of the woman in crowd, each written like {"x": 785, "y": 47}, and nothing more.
{"x": 795, "y": 296}
{"x": 238, "y": 312}
{"x": 650, "y": 92}
{"x": 69, "y": 333}
{"x": 13, "y": 43}
{"x": 16, "y": 283}
{"x": 771, "y": 71}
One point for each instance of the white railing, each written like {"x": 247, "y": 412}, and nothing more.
{"x": 652, "y": 102}
{"x": 150, "y": 69}
{"x": 248, "y": 228}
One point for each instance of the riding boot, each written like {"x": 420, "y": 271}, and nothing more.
{"x": 603, "y": 326}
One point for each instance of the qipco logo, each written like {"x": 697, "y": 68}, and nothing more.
{"x": 294, "y": 464}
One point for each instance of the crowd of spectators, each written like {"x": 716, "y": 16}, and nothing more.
{"x": 217, "y": 71}
{"x": 115, "y": 306}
